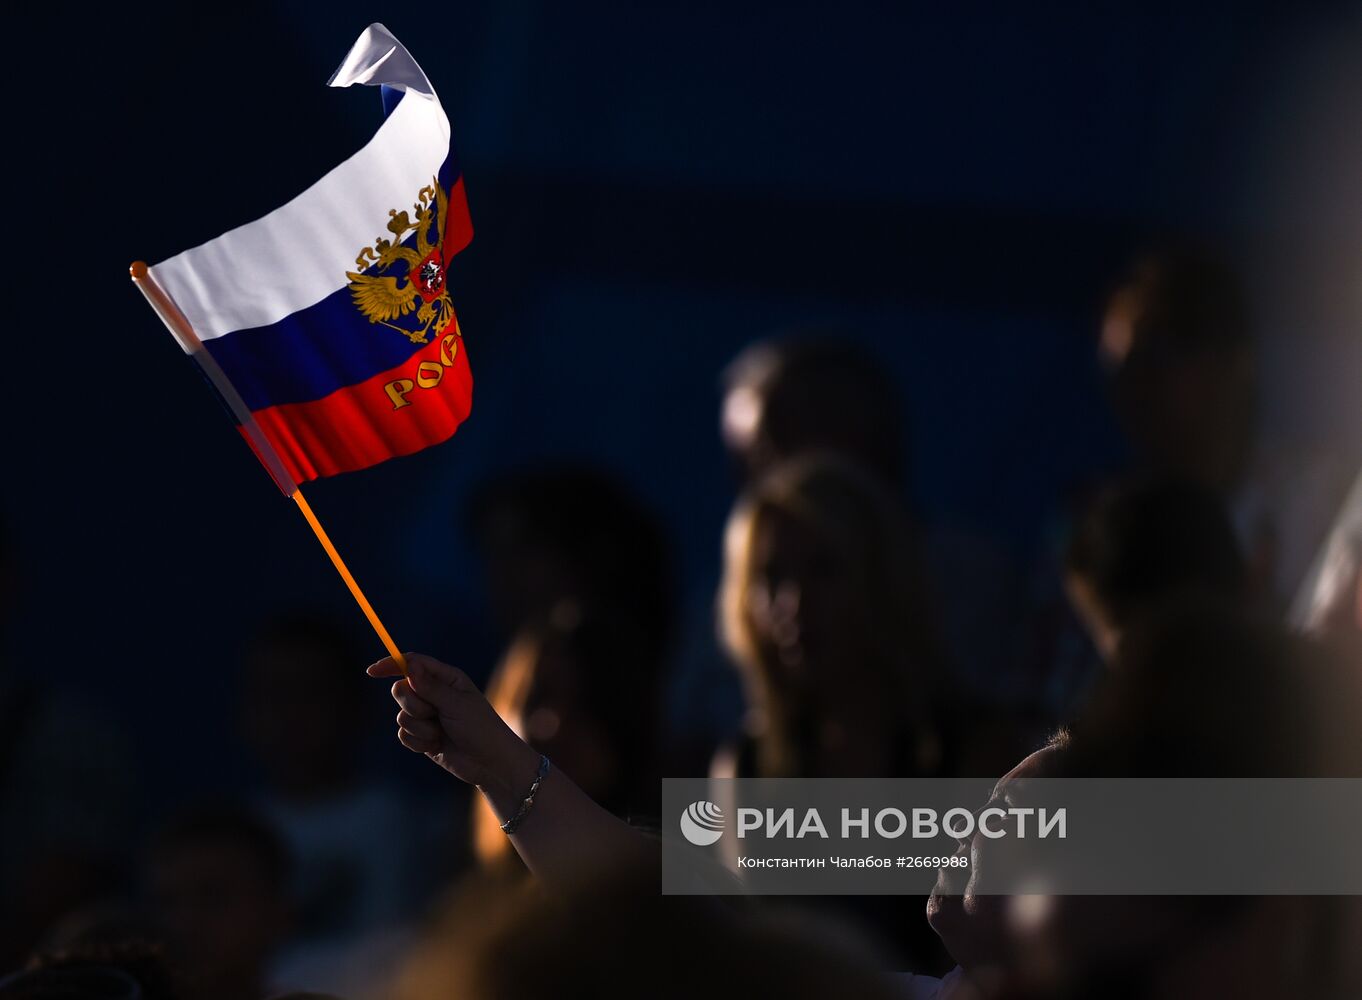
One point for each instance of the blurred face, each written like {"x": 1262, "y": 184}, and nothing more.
{"x": 1186, "y": 412}
{"x": 975, "y": 928}
{"x": 801, "y": 602}
{"x": 1052, "y": 942}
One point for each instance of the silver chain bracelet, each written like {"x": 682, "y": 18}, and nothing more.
{"x": 510, "y": 826}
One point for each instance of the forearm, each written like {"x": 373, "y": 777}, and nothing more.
{"x": 564, "y": 829}
{"x": 446, "y": 717}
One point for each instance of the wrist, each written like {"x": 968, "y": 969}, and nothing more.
{"x": 506, "y": 786}
{"x": 512, "y": 824}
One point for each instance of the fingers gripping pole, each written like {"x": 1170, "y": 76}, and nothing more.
{"x": 358, "y": 594}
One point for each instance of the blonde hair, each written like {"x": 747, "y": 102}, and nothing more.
{"x": 869, "y": 531}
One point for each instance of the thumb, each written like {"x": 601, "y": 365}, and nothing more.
{"x": 386, "y": 667}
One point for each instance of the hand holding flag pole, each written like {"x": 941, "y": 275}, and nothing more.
{"x": 334, "y": 349}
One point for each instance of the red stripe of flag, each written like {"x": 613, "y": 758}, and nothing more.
{"x": 361, "y": 425}
{"x": 458, "y": 223}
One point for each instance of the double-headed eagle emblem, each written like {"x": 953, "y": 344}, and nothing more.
{"x": 384, "y": 298}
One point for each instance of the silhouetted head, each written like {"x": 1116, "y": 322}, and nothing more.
{"x": 1143, "y": 541}
{"x": 823, "y": 594}
{"x": 974, "y": 924}
{"x": 216, "y": 877}
{"x": 1176, "y": 345}
{"x": 563, "y": 533}
{"x": 1201, "y": 689}
{"x": 787, "y": 398}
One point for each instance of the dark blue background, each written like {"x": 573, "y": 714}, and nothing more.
{"x": 652, "y": 186}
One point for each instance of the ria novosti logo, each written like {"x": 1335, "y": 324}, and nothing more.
{"x": 702, "y": 823}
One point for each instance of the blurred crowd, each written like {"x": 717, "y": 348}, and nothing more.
{"x": 1200, "y": 614}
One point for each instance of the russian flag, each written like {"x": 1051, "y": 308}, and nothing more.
{"x": 327, "y": 325}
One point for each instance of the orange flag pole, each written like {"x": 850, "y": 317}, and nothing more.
{"x": 358, "y": 594}
{"x": 178, "y": 325}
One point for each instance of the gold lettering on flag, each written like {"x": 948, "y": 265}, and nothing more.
{"x": 428, "y": 373}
